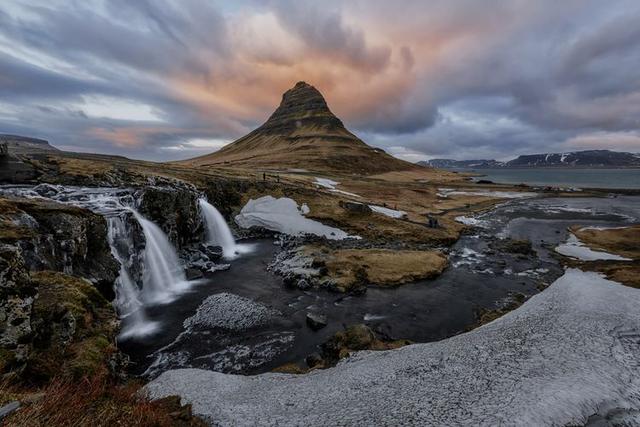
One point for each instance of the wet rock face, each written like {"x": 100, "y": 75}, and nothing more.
{"x": 16, "y": 302}
{"x": 67, "y": 239}
{"x": 175, "y": 211}
{"x": 226, "y": 195}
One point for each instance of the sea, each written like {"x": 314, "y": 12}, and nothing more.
{"x": 580, "y": 178}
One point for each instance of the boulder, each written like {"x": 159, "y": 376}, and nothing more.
{"x": 193, "y": 273}
{"x": 316, "y": 321}
{"x": 354, "y": 207}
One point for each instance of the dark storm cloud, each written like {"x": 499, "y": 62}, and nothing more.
{"x": 439, "y": 78}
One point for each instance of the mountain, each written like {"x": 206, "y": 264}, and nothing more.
{"x": 455, "y": 164}
{"x": 589, "y": 158}
{"x": 14, "y": 144}
{"x": 303, "y": 133}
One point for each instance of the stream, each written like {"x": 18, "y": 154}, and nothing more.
{"x": 480, "y": 276}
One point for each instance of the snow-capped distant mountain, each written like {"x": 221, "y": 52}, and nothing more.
{"x": 590, "y": 158}
{"x": 455, "y": 164}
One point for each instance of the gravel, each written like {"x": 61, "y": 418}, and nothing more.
{"x": 230, "y": 311}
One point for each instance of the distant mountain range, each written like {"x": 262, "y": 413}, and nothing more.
{"x": 575, "y": 159}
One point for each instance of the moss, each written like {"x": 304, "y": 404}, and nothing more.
{"x": 75, "y": 328}
{"x": 88, "y": 356}
{"x": 58, "y": 290}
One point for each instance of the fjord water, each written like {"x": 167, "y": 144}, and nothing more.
{"x": 581, "y": 178}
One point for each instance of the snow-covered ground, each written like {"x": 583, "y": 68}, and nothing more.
{"x": 569, "y": 352}
{"x": 282, "y": 215}
{"x": 388, "y": 212}
{"x": 331, "y": 186}
{"x": 446, "y": 192}
{"x": 574, "y": 248}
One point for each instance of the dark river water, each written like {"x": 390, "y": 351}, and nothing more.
{"x": 480, "y": 275}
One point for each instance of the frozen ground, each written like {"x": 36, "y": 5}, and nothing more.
{"x": 569, "y": 352}
{"x": 574, "y": 248}
{"x": 282, "y": 215}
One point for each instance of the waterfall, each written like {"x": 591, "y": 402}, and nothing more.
{"x": 218, "y": 232}
{"x": 127, "y": 302}
{"x": 163, "y": 273}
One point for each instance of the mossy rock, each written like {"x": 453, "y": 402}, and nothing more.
{"x": 75, "y": 328}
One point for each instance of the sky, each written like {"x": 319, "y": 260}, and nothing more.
{"x": 463, "y": 79}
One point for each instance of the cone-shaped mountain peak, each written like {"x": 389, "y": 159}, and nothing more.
{"x": 303, "y": 133}
{"x": 303, "y": 105}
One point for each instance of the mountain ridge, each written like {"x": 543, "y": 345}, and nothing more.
{"x": 572, "y": 159}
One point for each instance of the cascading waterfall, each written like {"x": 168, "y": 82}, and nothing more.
{"x": 164, "y": 276}
{"x": 218, "y": 232}
{"x": 127, "y": 302}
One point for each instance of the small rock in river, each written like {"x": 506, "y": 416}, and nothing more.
{"x": 316, "y": 321}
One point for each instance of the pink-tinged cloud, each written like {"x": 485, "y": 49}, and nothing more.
{"x": 408, "y": 74}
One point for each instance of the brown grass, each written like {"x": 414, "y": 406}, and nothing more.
{"x": 350, "y": 268}
{"x": 94, "y": 401}
{"x": 621, "y": 241}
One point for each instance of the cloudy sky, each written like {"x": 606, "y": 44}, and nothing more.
{"x": 462, "y": 79}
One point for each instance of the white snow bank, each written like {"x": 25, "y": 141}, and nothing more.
{"x": 574, "y": 248}
{"x": 331, "y": 185}
{"x": 446, "y": 192}
{"x": 567, "y": 353}
{"x": 471, "y": 221}
{"x": 282, "y": 215}
{"x": 388, "y": 212}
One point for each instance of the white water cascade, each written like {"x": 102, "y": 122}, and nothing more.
{"x": 164, "y": 276}
{"x": 127, "y": 302}
{"x": 218, "y": 232}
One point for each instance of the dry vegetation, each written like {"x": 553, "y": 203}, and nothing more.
{"x": 93, "y": 401}
{"x": 620, "y": 241}
{"x": 350, "y": 268}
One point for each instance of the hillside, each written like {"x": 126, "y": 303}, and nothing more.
{"x": 303, "y": 133}
{"x": 14, "y": 144}
{"x": 589, "y": 158}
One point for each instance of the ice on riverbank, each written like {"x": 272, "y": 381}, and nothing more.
{"x": 566, "y": 354}
{"x": 474, "y": 222}
{"x": 282, "y": 215}
{"x": 574, "y": 248}
{"x": 446, "y": 192}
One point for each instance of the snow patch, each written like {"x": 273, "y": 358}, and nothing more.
{"x": 282, "y": 215}
{"x": 388, "y": 212}
{"x": 574, "y": 248}
{"x": 331, "y": 186}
